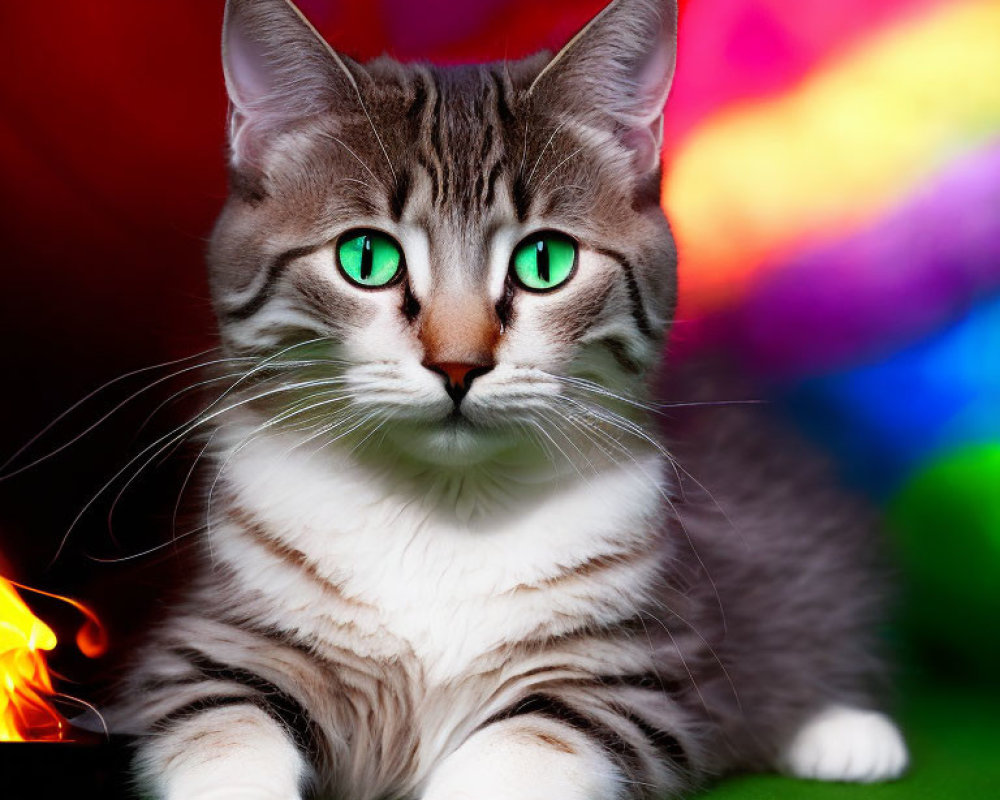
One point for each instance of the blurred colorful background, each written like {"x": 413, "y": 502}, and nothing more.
{"x": 833, "y": 177}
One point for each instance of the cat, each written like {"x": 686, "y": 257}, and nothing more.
{"x": 451, "y": 552}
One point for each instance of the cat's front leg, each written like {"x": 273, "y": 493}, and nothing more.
{"x": 554, "y": 751}
{"x": 527, "y": 759}
{"x": 237, "y": 752}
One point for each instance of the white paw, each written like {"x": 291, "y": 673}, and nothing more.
{"x": 247, "y": 792}
{"x": 518, "y": 761}
{"x": 847, "y": 744}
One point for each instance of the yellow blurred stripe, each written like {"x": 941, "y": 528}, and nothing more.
{"x": 847, "y": 143}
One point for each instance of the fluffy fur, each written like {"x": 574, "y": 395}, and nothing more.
{"x": 524, "y": 589}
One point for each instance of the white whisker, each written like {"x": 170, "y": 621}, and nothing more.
{"x": 104, "y": 418}
{"x": 538, "y": 160}
{"x": 356, "y": 156}
{"x": 559, "y": 165}
{"x": 93, "y": 394}
{"x": 158, "y": 447}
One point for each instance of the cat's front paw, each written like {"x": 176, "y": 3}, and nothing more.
{"x": 847, "y": 744}
{"x": 247, "y": 792}
{"x": 512, "y": 760}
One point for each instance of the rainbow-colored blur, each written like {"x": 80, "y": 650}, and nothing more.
{"x": 838, "y": 214}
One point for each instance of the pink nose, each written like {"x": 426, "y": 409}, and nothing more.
{"x": 458, "y": 376}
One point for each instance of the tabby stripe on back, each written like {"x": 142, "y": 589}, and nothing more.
{"x": 278, "y": 704}
{"x": 667, "y": 744}
{"x": 334, "y": 662}
{"x": 613, "y": 742}
{"x": 550, "y": 707}
{"x": 202, "y": 705}
{"x": 648, "y": 680}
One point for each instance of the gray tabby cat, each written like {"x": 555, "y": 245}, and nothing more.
{"x": 449, "y": 556}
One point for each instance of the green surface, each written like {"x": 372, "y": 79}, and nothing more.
{"x": 954, "y": 739}
{"x": 946, "y": 523}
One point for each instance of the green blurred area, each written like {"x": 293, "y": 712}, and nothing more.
{"x": 954, "y": 738}
{"x": 946, "y": 527}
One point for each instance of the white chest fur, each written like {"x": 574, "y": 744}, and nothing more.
{"x": 448, "y": 586}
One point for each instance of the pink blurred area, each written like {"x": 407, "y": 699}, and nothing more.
{"x": 739, "y": 50}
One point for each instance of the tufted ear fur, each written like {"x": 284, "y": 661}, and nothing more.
{"x": 279, "y": 71}
{"x": 616, "y": 73}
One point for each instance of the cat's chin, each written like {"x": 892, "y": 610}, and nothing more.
{"x": 452, "y": 442}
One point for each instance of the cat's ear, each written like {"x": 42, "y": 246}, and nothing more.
{"x": 278, "y": 71}
{"x": 616, "y": 73}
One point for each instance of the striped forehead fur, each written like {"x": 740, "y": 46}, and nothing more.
{"x": 457, "y": 152}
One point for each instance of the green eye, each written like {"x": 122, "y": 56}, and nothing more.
{"x": 545, "y": 261}
{"x": 369, "y": 258}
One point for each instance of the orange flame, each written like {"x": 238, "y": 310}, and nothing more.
{"x": 26, "y": 713}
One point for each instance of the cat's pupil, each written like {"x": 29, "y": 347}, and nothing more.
{"x": 367, "y": 258}
{"x": 542, "y": 261}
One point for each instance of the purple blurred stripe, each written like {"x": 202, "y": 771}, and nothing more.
{"x": 432, "y": 23}
{"x": 863, "y": 297}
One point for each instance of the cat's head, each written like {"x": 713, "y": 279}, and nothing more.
{"x": 464, "y": 256}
